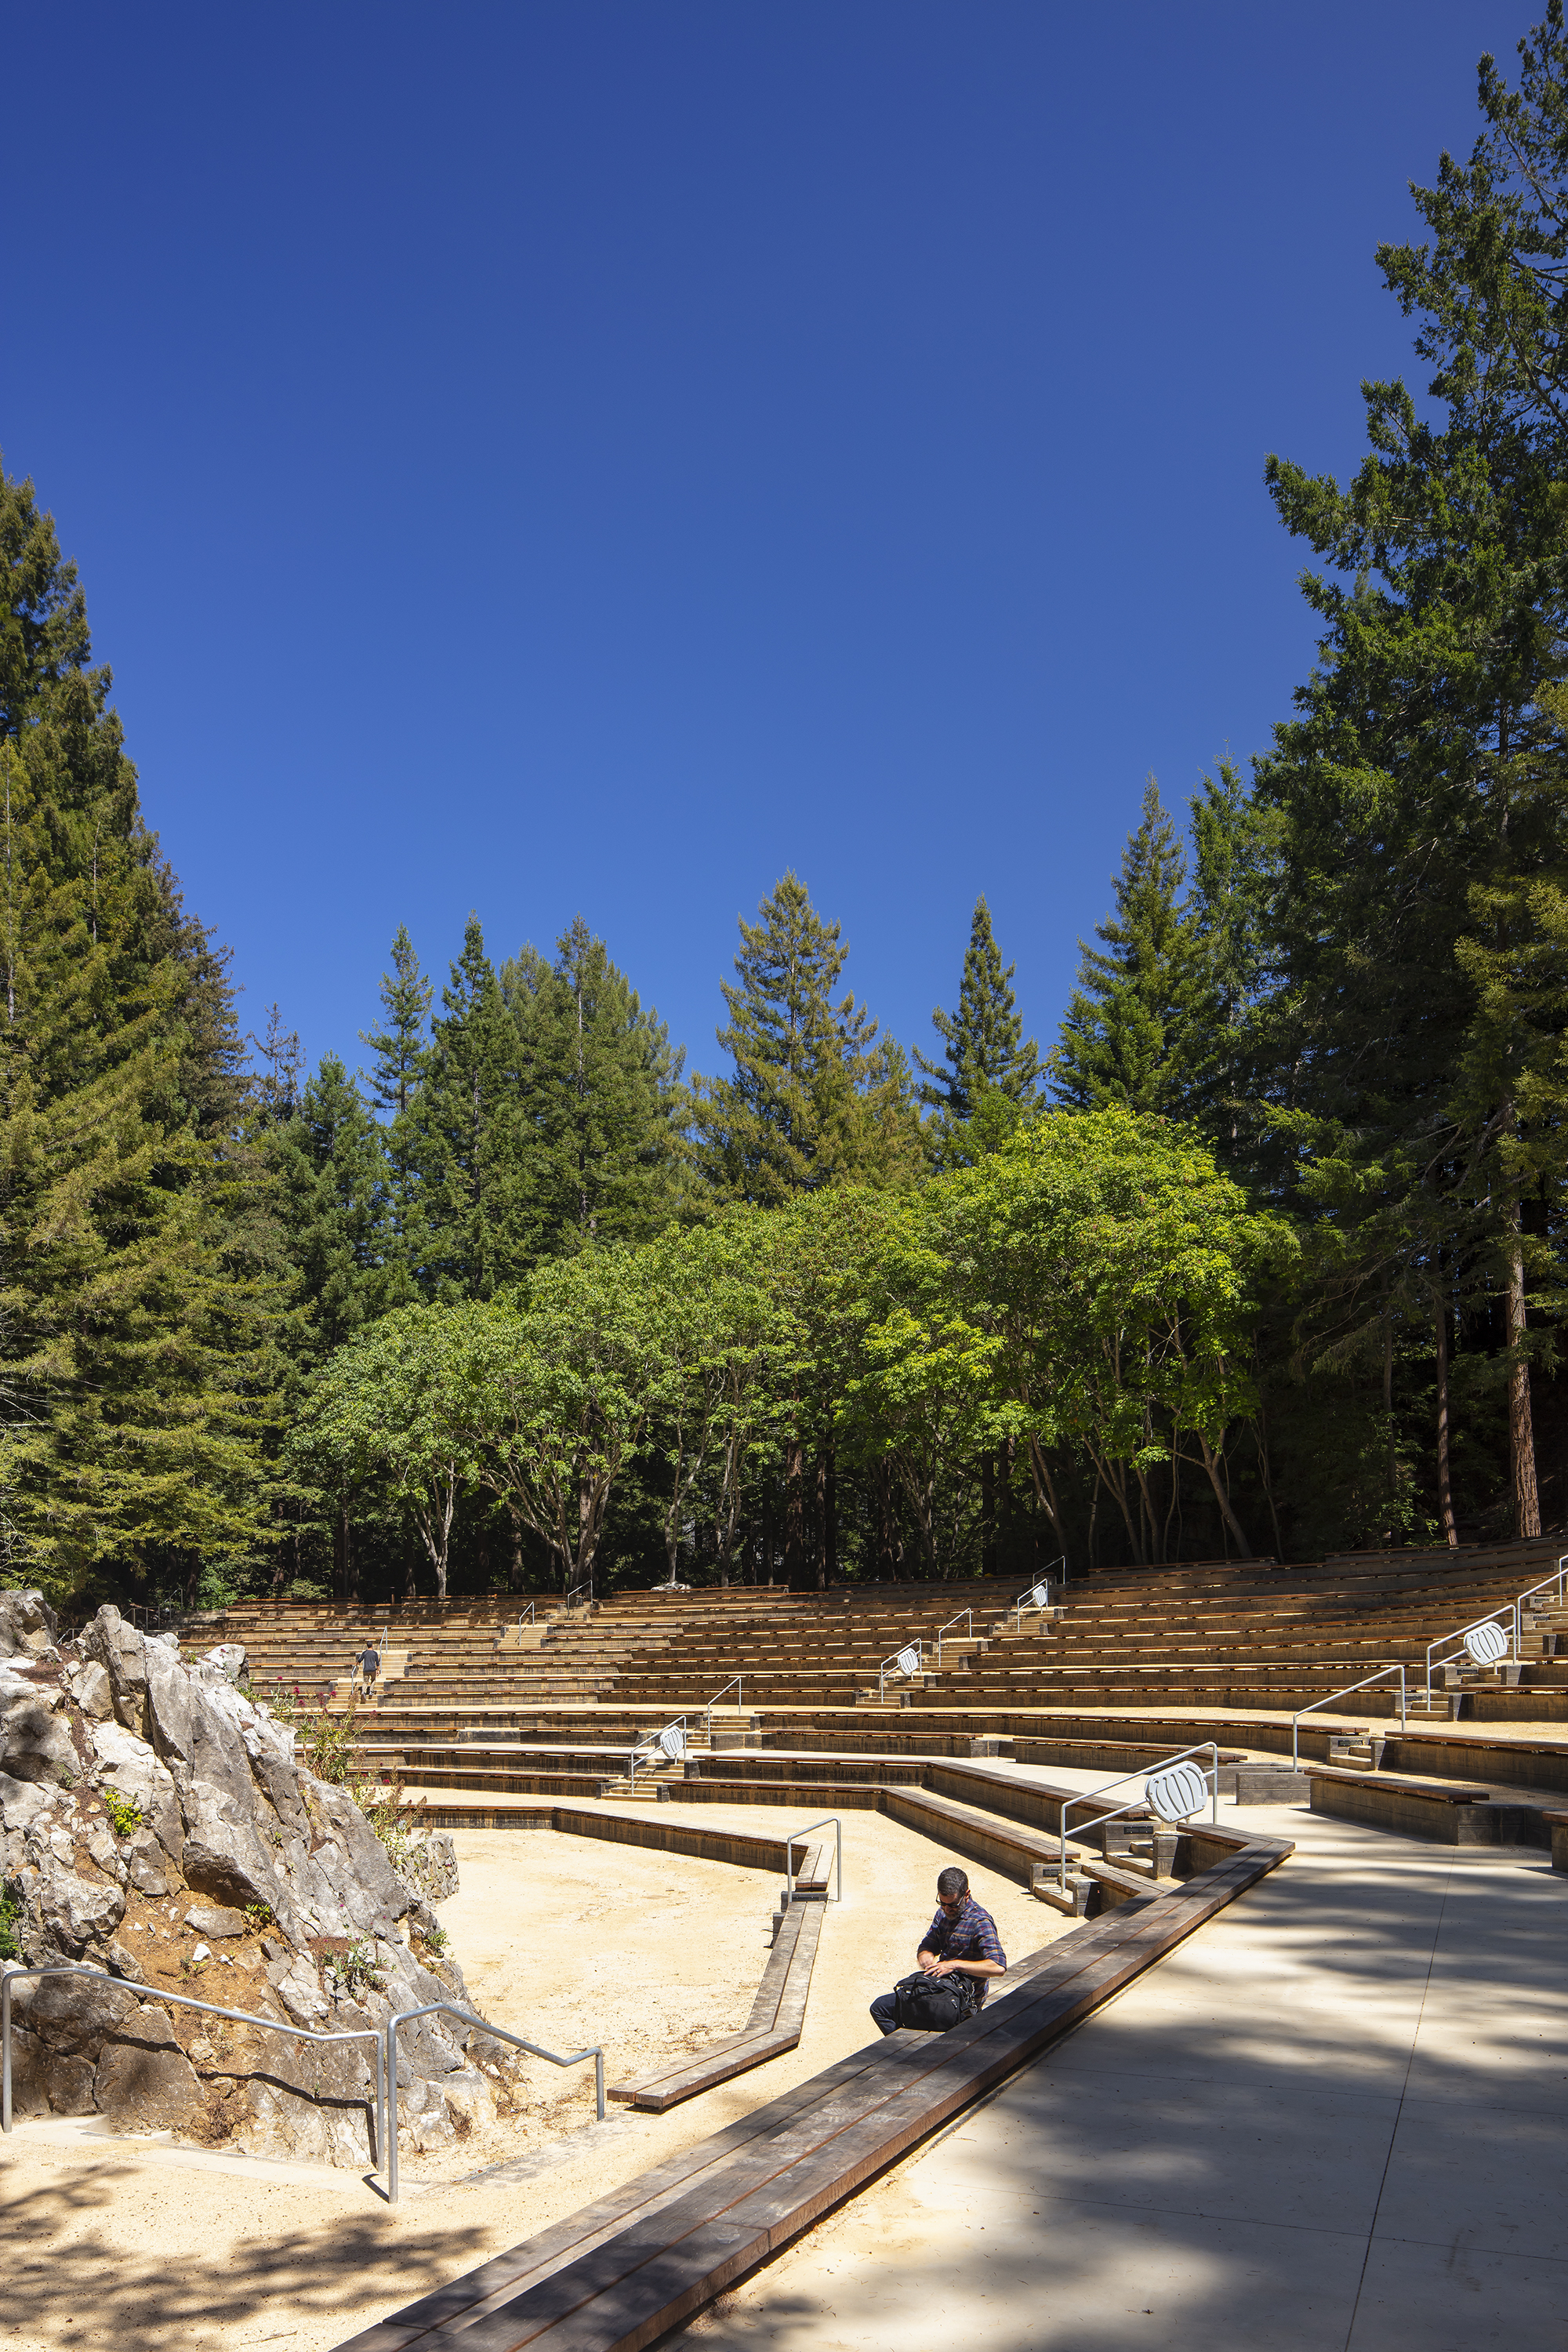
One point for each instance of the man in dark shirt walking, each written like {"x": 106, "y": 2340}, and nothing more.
{"x": 961, "y": 1937}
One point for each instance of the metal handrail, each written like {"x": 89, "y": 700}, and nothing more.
{"x": 466, "y": 2017}
{"x": 1317, "y": 1703}
{"x": 737, "y": 1683}
{"x": 1557, "y": 1579}
{"x": 577, "y": 1592}
{"x": 917, "y": 1645}
{"x": 156, "y": 1994}
{"x": 1026, "y": 1598}
{"x": 525, "y": 1617}
{"x": 1509, "y": 1610}
{"x": 649, "y": 1747}
{"x": 968, "y": 1617}
{"x": 798, "y": 1837}
{"x": 1203, "y": 1747}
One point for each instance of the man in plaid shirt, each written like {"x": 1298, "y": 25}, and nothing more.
{"x": 962, "y": 1935}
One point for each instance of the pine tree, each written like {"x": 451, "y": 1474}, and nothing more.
{"x": 141, "y": 1318}
{"x": 992, "y": 1070}
{"x": 402, "y": 1055}
{"x": 1414, "y": 829}
{"x": 600, "y": 1093}
{"x": 814, "y": 1094}
{"x": 477, "y": 1171}
{"x": 1121, "y": 1036}
{"x": 1226, "y": 914}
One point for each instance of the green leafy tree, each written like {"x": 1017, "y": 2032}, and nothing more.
{"x": 391, "y": 1406}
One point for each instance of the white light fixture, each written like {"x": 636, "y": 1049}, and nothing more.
{"x": 1488, "y": 1644}
{"x": 1041, "y": 1596}
{"x": 909, "y": 1660}
{"x": 672, "y": 1743}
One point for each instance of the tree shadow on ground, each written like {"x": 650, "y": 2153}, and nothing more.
{"x": 71, "y": 2279}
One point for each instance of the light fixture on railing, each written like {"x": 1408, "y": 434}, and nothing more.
{"x": 1178, "y": 1794}
{"x": 672, "y": 1742}
{"x": 909, "y": 1659}
{"x": 1487, "y": 1643}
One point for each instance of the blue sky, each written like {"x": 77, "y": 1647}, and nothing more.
{"x": 594, "y": 457}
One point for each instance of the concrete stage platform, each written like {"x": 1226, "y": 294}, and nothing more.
{"x": 1334, "y": 2121}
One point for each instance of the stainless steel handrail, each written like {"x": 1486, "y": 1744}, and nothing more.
{"x": 798, "y": 1837}
{"x": 1364, "y": 1683}
{"x": 1509, "y": 1611}
{"x": 968, "y": 1617}
{"x": 650, "y": 1747}
{"x": 577, "y": 1592}
{"x": 737, "y": 1683}
{"x": 1203, "y": 1747}
{"x": 466, "y": 2017}
{"x": 917, "y": 1645}
{"x": 1026, "y": 1598}
{"x": 155, "y": 1994}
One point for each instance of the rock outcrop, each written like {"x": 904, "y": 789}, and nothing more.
{"x": 157, "y": 1825}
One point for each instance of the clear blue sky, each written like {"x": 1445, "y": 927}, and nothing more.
{"x": 593, "y": 457}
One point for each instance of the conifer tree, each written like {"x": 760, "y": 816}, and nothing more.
{"x": 401, "y": 1049}
{"x": 992, "y": 1069}
{"x": 601, "y": 1095}
{"x": 139, "y": 1312}
{"x": 814, "y": 1094}
{"x": 1122, "y": 1032}
{"x": 477, "y": 1179}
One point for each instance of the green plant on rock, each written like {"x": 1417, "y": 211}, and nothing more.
{"x": 10, "y": 1920}
{"x": 124, "y": 1813}
{"x": 260, "y": 1916}
{"x": 357, "y": 1971}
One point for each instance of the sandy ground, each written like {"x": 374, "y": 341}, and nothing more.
{"x": 114, "y": 2244}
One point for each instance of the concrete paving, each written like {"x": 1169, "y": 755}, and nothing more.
{"x": 1335, "y": 2121}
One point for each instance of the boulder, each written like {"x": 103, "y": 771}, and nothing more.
{"x": 144, "y": 2081}
{"x": 230, "y": 1659}
{"x": 36, "y": 1741}
{"x": 225, "y": 1818}
{"x": 206, "y": 1919}
{"x": 27, "y": 1626}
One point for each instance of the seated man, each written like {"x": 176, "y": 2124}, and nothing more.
{"x": 961, "y": 1937}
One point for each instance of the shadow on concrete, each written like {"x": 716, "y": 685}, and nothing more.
{"x": 1335, "y": 2121}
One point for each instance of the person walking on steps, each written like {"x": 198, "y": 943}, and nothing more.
{"x": 962, "y": 1941}
{"x": 369, "y": 1663}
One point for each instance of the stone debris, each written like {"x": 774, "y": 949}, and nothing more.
{"x": 151, "y": 1810}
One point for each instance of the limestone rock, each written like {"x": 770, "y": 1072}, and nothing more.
{"x": 227, "y": 1818}
{"x": 230, "y": 1659}
{"x": 92, "y": 1690}
{"x": 208, "y": 1919}
{"x": 27, "y": 1627}
{"x": 144, "y": 2081}
{"x": 36, "y": 1741}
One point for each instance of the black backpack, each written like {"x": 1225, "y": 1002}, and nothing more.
{"x": 935, "y": 2004}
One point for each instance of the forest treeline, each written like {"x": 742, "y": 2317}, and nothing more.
{"x": 1263, "y": 1254}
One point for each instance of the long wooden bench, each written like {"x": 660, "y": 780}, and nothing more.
{"x": 621, "y": 2272}
{"x": 778, "y": 2012}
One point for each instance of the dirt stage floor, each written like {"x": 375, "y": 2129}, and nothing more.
{"x": 117, "y": 2244}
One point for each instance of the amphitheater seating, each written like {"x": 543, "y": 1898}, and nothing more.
{"x": 1239, "y": 1638}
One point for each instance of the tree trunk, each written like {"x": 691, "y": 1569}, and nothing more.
{"x": 988, "y": 1513}
{"x": 1521, "y": 1426}
{"x": 1211, "y": 1463}
{"x": 1444, "y": 1487}
{"x": 795, "y": 1513}
{"x": 830, "y": 1516}
{"x": 887, "y": 1542}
